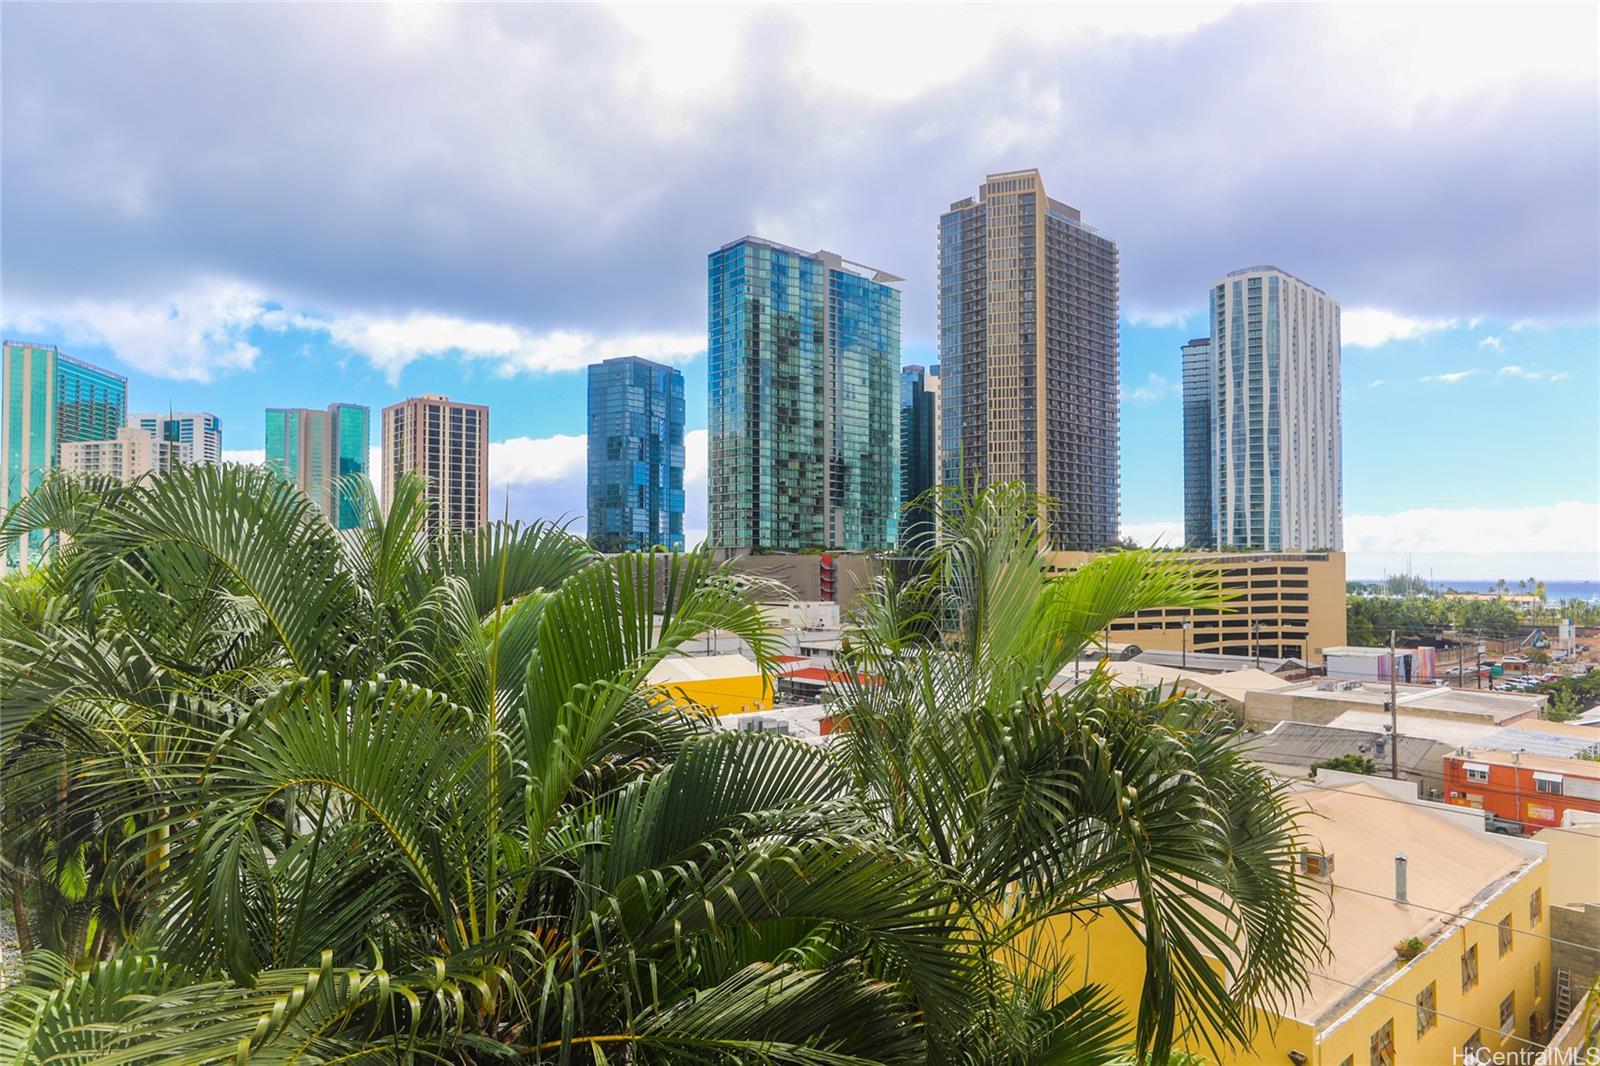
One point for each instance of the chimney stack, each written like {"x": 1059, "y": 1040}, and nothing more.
{"x": 1400, "y": 876}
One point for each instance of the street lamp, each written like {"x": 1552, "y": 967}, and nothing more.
{"x": 1186, "y": 626}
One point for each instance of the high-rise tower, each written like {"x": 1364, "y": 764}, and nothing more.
{"x": 636, "y": 416}
{"x": 196, "y": 434}
{"x": 805, "y": 361}
{"x": 1276, "y": 468}
{"x": 1198, "y": 380}
{"x": 314, "y": 449}
{"x": 1028, "y": 354}
{"x": 447, "y": 443}
{"x": 48, "y": 399}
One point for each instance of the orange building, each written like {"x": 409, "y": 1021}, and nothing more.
{"x": 1530, "y": 773}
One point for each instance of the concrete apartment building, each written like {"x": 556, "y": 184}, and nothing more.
{"x": 196, "y": 434}
{"x": 1285, "y": 605}
{"x": 635, "y": 453}
{"x": 132, "y": 454}
{"x": 447, "y": 443}
{"x": 314, "y": 449}
{"x": 1275, "y": 467}
{"x": 1028, "y": 356}
{"x": 804, "y": 353}
{"x": 48, "y": 399}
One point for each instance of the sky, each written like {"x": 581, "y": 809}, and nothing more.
{"x": 244, "y": 206}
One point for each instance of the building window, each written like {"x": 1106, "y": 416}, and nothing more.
{"x": 1479, "y": 774}
{"x": 1550, "y": 786}
{"x": 1427, "y": 1012}
{"x": 1538, "y": 981}
{"x": 1469, "y": 969}
{"x": 1349, "y": 1060}
{"x": 1505, "y": 935}
{"x": 1508, "y": 1014}
{"x": 1383, "y": 1045}
{"x": 1473, "y": 1050}
{"x": 1536, "y": 906}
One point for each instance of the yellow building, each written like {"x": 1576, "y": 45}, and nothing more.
{"x": 721, "y": 684}
{"x": 1477, "y": 903}
{"x": 1285, "y": 605}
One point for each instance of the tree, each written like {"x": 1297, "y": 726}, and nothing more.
{"x": 278, "y": 790}
{"x": 1353, "y": 764}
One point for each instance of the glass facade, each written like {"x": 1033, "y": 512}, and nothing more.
{"x": 1198, "y": 515}
{"x": 804, "y": 352}
{"x": 50, "y": 399}
{"x": 314, "y": 449}
{"x": 198, "y": 436}
{"x": 1275, "y": 466}
{"x": 635, "y": 442}
{"x": 918, "y": 427}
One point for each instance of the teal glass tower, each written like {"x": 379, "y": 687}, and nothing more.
{"x": 804, "y": 352}
{"x": 918, "y": 469}
{"x": 636, "y": 420}
{"x": 315, "y": 449}
{"x": 48, "y": 399}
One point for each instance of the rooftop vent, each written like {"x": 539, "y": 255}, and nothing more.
{"x": 1316, "y": 863}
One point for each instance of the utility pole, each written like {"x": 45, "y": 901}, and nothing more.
{"x": 1394, "y": 716}
{"x": 1478, "y": 670}
{"x": 1255, "y": 638}
{"x": 1186, "y": 645}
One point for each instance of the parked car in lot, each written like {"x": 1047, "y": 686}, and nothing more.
{"x": 1495, "y": 824}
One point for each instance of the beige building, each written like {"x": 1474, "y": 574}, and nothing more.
{"x": 1028, "y": 354}
{"x": 448, "y": 443}
{"x": 133, "y": 454}
{"x": 1285, "y": 605}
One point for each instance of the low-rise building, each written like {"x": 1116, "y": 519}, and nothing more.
{"x": 1382, "y": 869}
{"x": 1373, "y": 664}
{"x": 1324, "y": 700}
{"x": 1284, "y": 605}
{"x": 1293, "y": 750}
{"x": 1530, "y": 774}
{"x": 721, "y": 684}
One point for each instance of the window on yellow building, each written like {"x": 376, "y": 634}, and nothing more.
{"x": 1383, "y": 1045}
{"x": 1508, "y": 1014}
{"x": 1505, "y": 934}
{"x": 1427, "y": 1012}
{"x": 1469, "y": 969}
{"x": 1473, "y": 1050}
{"x": 1349, "y": 1060}
{"x": 1536, "y": 906}
{"x": 1538, "y": 982}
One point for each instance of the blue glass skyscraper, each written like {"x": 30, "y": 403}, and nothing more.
{"x": 636, "y": 416}
{"x": 804, "y": 350}
{"x": 918, "y": 470}
{"x": 1198, "y": 516}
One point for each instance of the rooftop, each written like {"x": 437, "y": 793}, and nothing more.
{"x": 1302, "y": 744}
{"x": 834, "y": 259}
{"x": 686, "y": 668}
{"x": 803, "y": 721}
{"x": 1452, "y": 732}
{"x": 1204, "y": 662}
{"x": 1450, "y": 868}
{"x": 1267, "y": 268}
{"x": 1492, "y": 707}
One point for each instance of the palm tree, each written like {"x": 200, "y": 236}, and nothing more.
{"x": 276, "y": 790}
{"x": 1064, "y": 800}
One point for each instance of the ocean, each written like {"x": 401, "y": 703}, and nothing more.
{"x": 1554, "y": 591}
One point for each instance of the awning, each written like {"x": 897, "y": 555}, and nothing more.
{"x": 1475, "y": 767}
{"x": 1556, "y": 778}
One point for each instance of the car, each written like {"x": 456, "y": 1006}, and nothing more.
{"x": 1493, "y": 823}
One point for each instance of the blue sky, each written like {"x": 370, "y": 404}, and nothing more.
{"x": 252, "y": 206}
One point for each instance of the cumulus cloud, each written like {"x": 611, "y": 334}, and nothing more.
{"x": 1165, "y": 533}
{"x": 1374, "y": 383}
{"x": 530, "y": 461}
{"x": 561, "y": 171}
{"x": 1370, "y": 327}
{"x": 248, "y": 456}
{"x": 196, "y": 334}
{"x": 1491, "y": 341}
{"x": 1530, "y": 374}
{"x": 1153, "y": 389}
{"x": 1451, "y": 377}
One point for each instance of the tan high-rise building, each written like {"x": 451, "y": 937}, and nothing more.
{"x": 448, "y": 443}
{"x": 134, "y": 453}
{"x": 1028, "y": 354}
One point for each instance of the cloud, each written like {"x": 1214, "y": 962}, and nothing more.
{"x": 197, "y": 334}
{"x": 1450, "y": 378}
{"x": 1167, "y": 533}
{"x": 562, "y": 172}
{"x": 1154, "y": 389}
{"x": 1492, "y": 342}
{"x": 391, "y": 344}
{"x": 696, "y": 458}
{"x": 1561, "y": 540}
{"x": 250, "y": 456}
{"x": 1530, "y": 374}
{"x": 1374, "y": 383}
{"x": 531, "y": 461}
{"x": 1159, "y": 319}
{"x": 1370, "y": 327}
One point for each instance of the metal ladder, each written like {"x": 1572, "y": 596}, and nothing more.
{"x": 1563, "y": 997}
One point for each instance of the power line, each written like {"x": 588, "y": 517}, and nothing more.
{"x": 1439, "y": 1013}
{"x": 1467, "y": 918}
